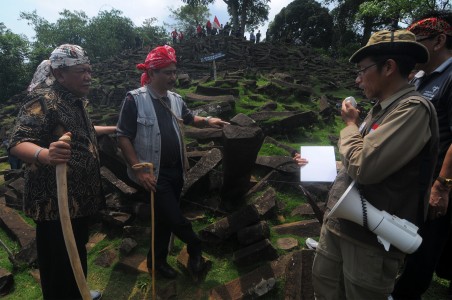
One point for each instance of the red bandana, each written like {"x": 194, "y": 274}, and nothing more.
{"x": 430, "y": 26}
{"x": 158, "y": 58}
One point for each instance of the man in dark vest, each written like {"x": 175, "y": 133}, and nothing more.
{"x": 434, "y": 82}
{"x": 391, "y": 157}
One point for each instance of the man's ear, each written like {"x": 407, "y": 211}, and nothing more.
{"x": 390, "y": 67}
{"x": 440, "y": 41}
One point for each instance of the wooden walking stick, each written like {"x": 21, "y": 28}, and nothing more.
{"x": 66, "y": 225}
{"x": 151, "y": 170}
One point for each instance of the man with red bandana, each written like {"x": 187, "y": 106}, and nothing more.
{"x": 434, "y": 82}
{"x": 149, "y": 131}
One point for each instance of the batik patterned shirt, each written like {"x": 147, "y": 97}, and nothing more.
{"x": 47, "y": 114}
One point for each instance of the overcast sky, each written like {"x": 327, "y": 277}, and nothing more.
{"x": 136, "y": 10}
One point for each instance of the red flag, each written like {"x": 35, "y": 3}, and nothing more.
{"x": 216, "y": 23}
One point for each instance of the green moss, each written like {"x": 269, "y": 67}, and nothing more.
{"x": 271, "y": 149}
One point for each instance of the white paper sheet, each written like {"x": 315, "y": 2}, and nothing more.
{"x": 321, "y": 165}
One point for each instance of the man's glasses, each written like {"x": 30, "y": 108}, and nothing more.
{"x": 361, "y": 72}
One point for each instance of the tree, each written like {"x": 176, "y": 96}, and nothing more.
{"x": 108, "y": 34}
{"x": 188, "y": 16}
{"x": 152, "y": 34}
{"x": 364, "y": 17}
{"x": 70, "y": 28}
{"x": 303, "y": 21}
{"x": 401, "y": 10}
{"x": 244, "y": 13}
{"x": 14, "y": 75}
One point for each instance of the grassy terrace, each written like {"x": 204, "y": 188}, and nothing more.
{"x": 117, "y": 284}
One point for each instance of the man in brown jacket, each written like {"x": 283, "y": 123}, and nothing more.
{"x": 391, "y": 157}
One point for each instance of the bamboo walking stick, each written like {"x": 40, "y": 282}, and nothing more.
{"x": 66, "y": 225}
{"x": 151, "y": 170}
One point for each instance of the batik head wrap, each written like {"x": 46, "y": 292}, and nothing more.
{"x": 159, "y": 58}
{"x": 63, "y": 56}
{"x": 431, "y": 26}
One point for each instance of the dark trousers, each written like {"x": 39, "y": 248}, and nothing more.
{"x": 169, "y": 218}
{"x": 57, "y": 278}
{"x": 420, "y": 266}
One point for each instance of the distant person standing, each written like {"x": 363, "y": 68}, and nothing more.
{"x": 174, "y": 36}
{"x": 181, "y": 37}
{"x": 199, "y": 30}
{"x": 258, "y": 37}
{"x": 252, "y": 37}
{"x": 209, "y": 27}
{"x": 226, "y": 29}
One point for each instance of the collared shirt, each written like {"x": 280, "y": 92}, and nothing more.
{"x": 437, "y": 87}
{"x": 170, "y": 148}
{"x": 392, "y": 161}
{"x": 47, "y": 114}
{"x": 389, "y": 144}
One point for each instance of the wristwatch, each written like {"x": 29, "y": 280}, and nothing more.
{"x": 447, "y": 182}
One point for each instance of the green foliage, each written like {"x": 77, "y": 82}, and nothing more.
{"x": 13, "y": 69}
{"x": 251, "y": 14}
{"x": 271, "y": 149}
{"x": 152, "y": 34}
{"x": 402, "y": 10}
{"x": 303, "y": 22}
{"x": 188, "y": 17}
{"x": 108, "y": 34}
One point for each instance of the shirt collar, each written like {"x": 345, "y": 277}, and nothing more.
{"x": 444, "y": 65}
{"x": 388, "y": 101}
{"x": 153, "y": 94}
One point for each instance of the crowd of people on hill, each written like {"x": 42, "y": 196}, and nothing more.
{"x": 216, "y": 29}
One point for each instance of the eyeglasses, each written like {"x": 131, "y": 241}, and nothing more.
{"x": 361, "y": 72}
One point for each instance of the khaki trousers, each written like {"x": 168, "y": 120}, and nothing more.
{"x": 343, "y": 269}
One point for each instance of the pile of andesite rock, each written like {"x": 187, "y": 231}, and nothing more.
{"x": 222, "y": 161}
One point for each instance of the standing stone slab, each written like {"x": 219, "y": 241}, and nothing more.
{"x": 13, "y": 223}
{"x": 294, "y": 271}
{"x": 265, "y": 203}
{"x": 307, "y": 228}
{"x": 254, "y": 233}
{"x": 244, "y": 287}
{"x": 260, "y": 251}
{"x": 224, "y": 228}
{"x": 240, "y": 148}
{"x": 6, "y": 282}
{"x": 204, "y": 166}
{"x": 307, "y": 290}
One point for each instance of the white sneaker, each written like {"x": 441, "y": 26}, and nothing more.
{"x": 311, "y": 243}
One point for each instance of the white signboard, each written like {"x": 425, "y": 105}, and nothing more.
{"x": 321, "y": 165}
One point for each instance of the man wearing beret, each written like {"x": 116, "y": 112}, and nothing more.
{"x": 391, "y": 156}
{"x": 434, "y": 82}
{"x": 149, "y": 130}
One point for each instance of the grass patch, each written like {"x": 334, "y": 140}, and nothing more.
{"x": 271, "y": 149}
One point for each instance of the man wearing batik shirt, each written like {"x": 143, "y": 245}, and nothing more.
{"x": 149, "y": 131}
{"x": 434, "y": 82}
{"x": 54, "y": 106}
